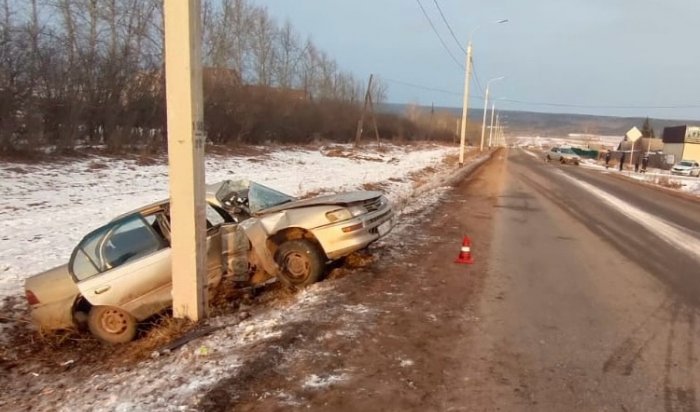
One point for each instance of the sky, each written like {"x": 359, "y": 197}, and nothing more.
{"x": 602, "y": 57}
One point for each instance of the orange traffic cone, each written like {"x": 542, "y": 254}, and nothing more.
{"x": 465, "y": 255}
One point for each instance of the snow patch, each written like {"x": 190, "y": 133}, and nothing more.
{"x": 680, "y": 238}
{"x": 317, "y": 382}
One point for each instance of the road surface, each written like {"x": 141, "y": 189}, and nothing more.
{"x": 584, "y": 296}
{"x": 598, "y": 283}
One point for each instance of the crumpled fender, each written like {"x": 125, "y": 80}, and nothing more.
{"x": 258, "y": 238}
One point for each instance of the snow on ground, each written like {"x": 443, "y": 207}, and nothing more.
{"x": 672, "y": 234}
{"x": 45, "y": 209}
{"x": 179, "y": 380}
{"x": 664, "y": 178}
{"x": 653, "y": 176}
{"x": 67, "y": 204}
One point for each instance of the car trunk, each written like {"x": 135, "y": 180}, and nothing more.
{"x": 51, "y": 286}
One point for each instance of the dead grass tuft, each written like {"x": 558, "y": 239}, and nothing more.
{"x": 669, "y": 182}
{"x": 146, "y": 160}
{"x": 17, "y": 169}
{"x": 376, "y": 186}
{"x": 97, "y": 165}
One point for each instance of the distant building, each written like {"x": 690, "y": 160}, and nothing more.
{"x": 683, "y": 142}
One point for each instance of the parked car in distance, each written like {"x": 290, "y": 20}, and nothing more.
{"x": 686, "y": 168}
{"x": 562, "y": 155}
{"x": 120, "y": 273}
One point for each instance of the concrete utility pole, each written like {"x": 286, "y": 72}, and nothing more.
{"x": 486, "y": 108}
{"x": 493, "y": 108}
{"x": 465, "y": 102}
{"x": 183, "y": 82}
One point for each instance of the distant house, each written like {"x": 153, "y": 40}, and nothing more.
{"x": 683, "y": 142}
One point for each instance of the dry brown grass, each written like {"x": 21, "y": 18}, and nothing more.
{"x": 668, "y": 182}
{"x": 97, "y": 165}
{"x": 376, "y": 186}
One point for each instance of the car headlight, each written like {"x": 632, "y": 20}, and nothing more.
{"x": 357, "y": 210}
{"x": 338, "y": 215}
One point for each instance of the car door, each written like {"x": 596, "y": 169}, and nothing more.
{"x": 124, "y": 264}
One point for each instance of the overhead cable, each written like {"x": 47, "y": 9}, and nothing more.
{"x": 439, "y": 37}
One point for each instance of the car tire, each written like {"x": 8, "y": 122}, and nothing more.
{"x": 301, "y": 262}
{"x": 562, "y": 160}
{"x": 111, "y": 324}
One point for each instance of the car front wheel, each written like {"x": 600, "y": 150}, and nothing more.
{"x": 301, "y": 263}
{"x": 111, "y": 325}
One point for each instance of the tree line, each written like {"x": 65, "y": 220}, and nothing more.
{"x": 91, "y": 72}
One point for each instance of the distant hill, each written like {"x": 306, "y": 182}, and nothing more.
{"x": 553, "y": 124}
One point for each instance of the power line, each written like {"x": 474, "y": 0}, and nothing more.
{"x": 418, "y": 86}
{"x": 583, "y": 106}
{"x": 439, "y": 37}
{"x": 444, "y": 19}
{"x": 536, "y": 103}
{"x": 476, "y": 78}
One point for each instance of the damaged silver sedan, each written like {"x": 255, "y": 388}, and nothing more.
{"x": 120, "y": 273}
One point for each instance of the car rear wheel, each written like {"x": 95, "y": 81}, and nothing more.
{"x": 111, "y": 325}
{"x": 301, "y": 263}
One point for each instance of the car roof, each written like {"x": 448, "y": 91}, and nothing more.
{"x": 163, "y": 203}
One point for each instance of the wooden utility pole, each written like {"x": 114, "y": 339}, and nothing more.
{"x": 360, "y": 123}
{"x": 374, "y": 119}
{"x": 186, "y": 138}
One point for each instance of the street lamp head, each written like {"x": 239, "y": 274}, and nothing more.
{"x": 502, "y": 21}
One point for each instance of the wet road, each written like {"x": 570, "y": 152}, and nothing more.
{"x": 592, "y": 296}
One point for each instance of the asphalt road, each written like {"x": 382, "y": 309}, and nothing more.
{"x": 592, "y": 295}
{"x": 582, "y": 297}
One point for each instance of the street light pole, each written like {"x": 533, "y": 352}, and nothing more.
{"x": 493, "y": 108}
{"x": 465, "y": 102}
{"x": 486, "y": 108}
{"x": 465, "y": 99}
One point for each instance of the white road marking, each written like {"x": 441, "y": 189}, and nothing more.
{"x": 665, "y": 230}
{"x": 531, "y": 154}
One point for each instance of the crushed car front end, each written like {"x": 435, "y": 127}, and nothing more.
{"x": 355, "y": 226}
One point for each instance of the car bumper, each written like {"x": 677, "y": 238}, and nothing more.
{"x": 343, "y": 238}
{"x": 56, "y": 315}
{"x": 680, "y": 172}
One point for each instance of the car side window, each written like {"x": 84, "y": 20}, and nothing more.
{"x": 115, "y": 244}
{"x": 554, "y": 149}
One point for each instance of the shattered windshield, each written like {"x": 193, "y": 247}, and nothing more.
{"x": 262, "y": 197}
{"x": 249, "y": 195}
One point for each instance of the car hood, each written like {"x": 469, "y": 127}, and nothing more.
{"x": 342, "y": 199}
{"x": 681, "y": 167}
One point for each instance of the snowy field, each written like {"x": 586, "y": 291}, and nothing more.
{"x": 45, "y": 209}
{"x": 49, "y": 207}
